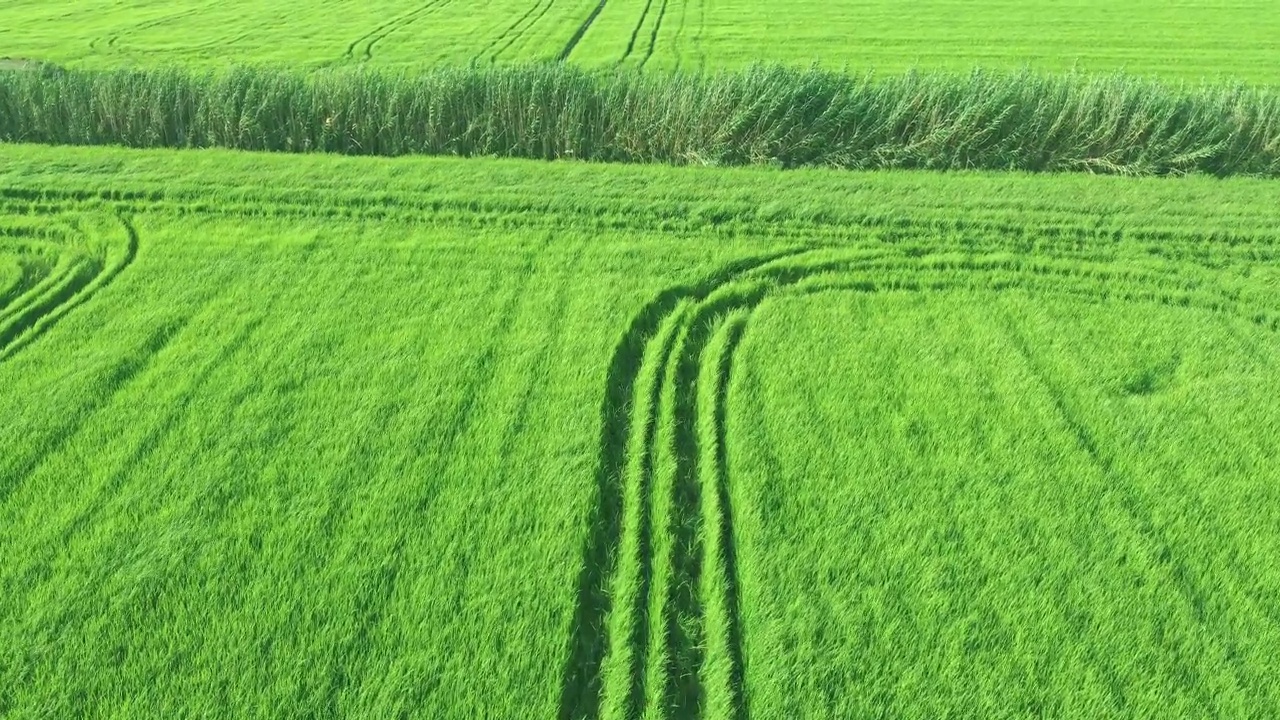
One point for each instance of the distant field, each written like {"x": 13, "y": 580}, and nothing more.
{"x": 314, "y": 436}
{"x": 1186, "y": 40}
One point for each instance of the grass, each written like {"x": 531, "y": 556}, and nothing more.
{"x": 415, "y": 437}
{"x": 1184, "y": 41}
{"x": 764, "y": 115}
{"x": 299, "y": 434}
{"x": 996, "y": 473}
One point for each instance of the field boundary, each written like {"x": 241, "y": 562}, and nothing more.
{"x": 1059, "y": 232}
{"x": 772, "y": 116}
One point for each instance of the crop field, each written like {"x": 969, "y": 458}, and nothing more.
{"x": 640, "y": 359}
{"x": 319, "y": 436}
{"x": 1185, "y": 40}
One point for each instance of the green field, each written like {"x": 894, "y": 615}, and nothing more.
{"x": 729, "y": 360}
{"x": 1184, "y": 40}
{"x": 360, "y": 437}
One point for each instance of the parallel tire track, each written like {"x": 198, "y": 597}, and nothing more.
{"x": 368, "y": 41}
{"x": 44, "y": 314}
{"x": 581, "y": 687}
{"x": 84, "y": 278}
{"x": 114, "y": 382}
{"x": 1192, "y": 595}
{"x": 700, "y": 623}
{"x": 635, "y": 32}
{"x": 511, "y": 35}
{"x": 653, "y": 37}
{"x": 653, "y": 34}
{"x": 1053, "y": 236}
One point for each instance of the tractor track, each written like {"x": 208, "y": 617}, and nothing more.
{"x": 677, "y": 40}
{"x": 635, "y": 32}
{"x": 25, "y": 322}
{"x": 693, "y": 585}
{"x": 580, "y": 31}
{"x": 653, "y": 37}
{"x": 1054, "y": 236}
{"x": 653, "y": 34}
{"x": 114, "y": 40}
{"x": 369, "y": 41}
{"x": 512, "y": 35}
{"x": 113, "y": 383}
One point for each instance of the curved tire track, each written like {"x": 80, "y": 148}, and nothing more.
{"x": 581, "y": 686}
{"x": 371, "y": 39}
{"x": 85, "y": 279}
{"x": 114, "y": 40}
{"x": 653, "y": 37}
{"x": 721, "y": 308}
{"x": 512, "y": 35}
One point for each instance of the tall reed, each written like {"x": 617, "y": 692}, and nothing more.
{"x": 760, "y": 115}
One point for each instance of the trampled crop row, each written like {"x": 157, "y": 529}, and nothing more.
{"x": 58, "y": 266}
{"x": 657, "y": 632}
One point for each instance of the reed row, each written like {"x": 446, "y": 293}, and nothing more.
{"x": 761, "y": 115}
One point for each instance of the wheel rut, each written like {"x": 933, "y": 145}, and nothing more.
{"x": 653, "y": 36}
{"x": 516, "y": 30}
{"x": 580, "y": 31}
{"x": 72, "y": 284}
{"x": 653, "y": 33}
{"x": 661, "y": 538}
{"x": 635, "y": 32}
{"x": 362, "y": 47}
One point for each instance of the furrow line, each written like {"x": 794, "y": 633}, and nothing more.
{"x": 100, "y": 497}
{"x": 581, "y": 689}
{"x": 695, "y": 649}
{"x": 1193, "y": 595}
{"x": 582, "y": 30}
{"x": 82, "y": 282}
{"x": 653, "y": 37}
{"x": 113, "y": 383}
{"x": 511, "y": 35}
{"x": 635, "y": 32}
{"x": 1167, "y": 243}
